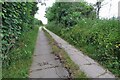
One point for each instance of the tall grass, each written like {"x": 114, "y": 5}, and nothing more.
{"x": 21, "y": 56}
{"x": 99, "y": 39}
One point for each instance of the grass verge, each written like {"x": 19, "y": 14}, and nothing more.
{"x": 21, "y": 56}
{"x": 71, "y": 67}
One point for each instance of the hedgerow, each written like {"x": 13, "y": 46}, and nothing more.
{"x": 99, "y": 39}
{"x": 17, "y": 18}
{"x": 78, "y": 24}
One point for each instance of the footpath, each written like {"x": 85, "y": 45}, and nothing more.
{"x": 44, "y": 63}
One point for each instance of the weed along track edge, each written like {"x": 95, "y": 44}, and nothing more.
{"x": 65, "y": 60}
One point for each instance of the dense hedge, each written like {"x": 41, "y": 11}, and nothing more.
{"x": 77, "y": 23}
{"x": 100, "y": 39}
{"x": 21, "y": 56}
{"x": 16, "y": 19}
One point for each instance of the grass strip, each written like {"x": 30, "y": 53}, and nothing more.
{"x": 22, "y": 56}
{"x": 72, "y": 68}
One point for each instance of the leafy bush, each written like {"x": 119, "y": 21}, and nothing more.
{"x": 100, "y": 39}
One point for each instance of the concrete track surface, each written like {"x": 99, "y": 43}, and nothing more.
{"x": 44, "y": 63}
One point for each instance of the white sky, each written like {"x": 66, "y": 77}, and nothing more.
{"x": 105, "y": 12}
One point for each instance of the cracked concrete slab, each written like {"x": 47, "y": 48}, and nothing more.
{"x": 91, "y": 68}
{"x": 44, "y": 63}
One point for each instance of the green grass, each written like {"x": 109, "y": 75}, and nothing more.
{"x": 21, "y": 56}
{"x": 99, "y": 39}
{"x": 67, "y": 62}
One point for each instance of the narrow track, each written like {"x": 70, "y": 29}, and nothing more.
{"x": 44, "y": 63}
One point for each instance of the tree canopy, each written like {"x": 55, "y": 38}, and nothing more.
{"x": 70, "y": 13}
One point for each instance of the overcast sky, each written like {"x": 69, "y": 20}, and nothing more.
{"x": 109, "y": 9}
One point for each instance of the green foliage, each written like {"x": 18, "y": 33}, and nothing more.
{"x": 17, "y": 18}
{"x": 100, "y": 39}
{"x": 21, "y": 56}
{"x": 77, "y": 23}
{"x": 37, "y": 22}
{"x": 69, "y": 14}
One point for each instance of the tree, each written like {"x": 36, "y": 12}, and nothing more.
{"x": 98, "y": 7}
{"x": 68, "y": 14}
